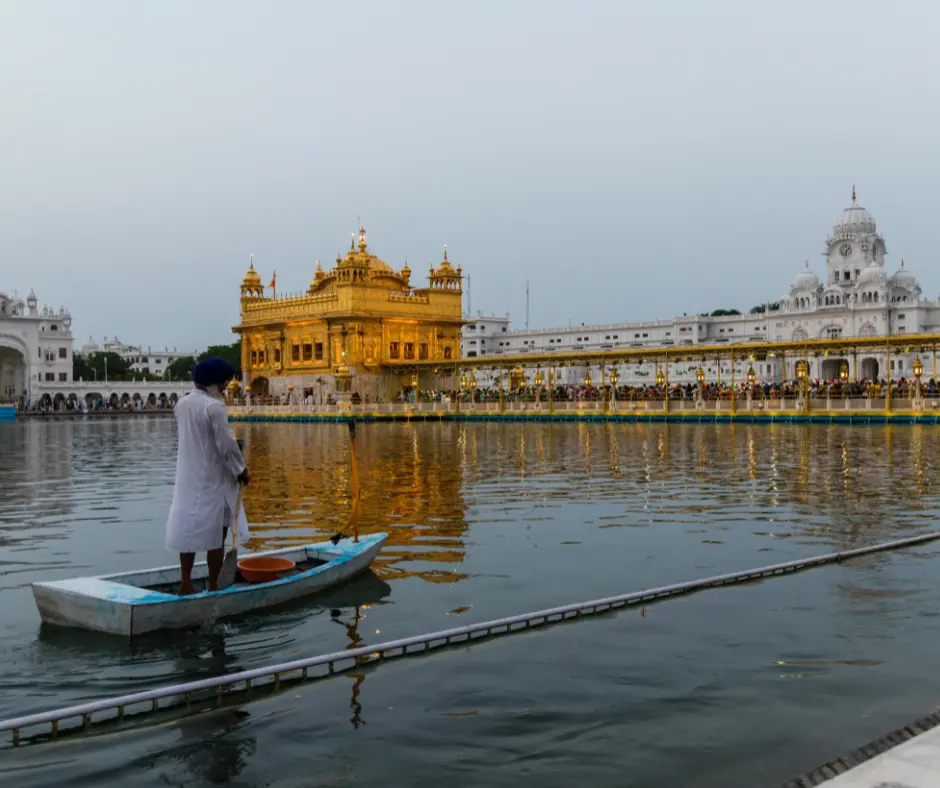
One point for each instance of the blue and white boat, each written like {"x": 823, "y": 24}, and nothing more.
{"x": 132, "y": 603}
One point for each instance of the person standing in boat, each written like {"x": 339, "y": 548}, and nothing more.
{"x": 209, "y": 468}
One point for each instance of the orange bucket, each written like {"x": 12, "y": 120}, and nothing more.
{"x": 264, "y": 568}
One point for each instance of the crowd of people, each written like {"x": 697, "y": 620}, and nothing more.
{"x": 93, "y": 405}
{"x": 816, "y": 389}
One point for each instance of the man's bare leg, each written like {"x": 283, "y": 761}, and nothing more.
{"x": 186, "y": 570}
{"x": 214, "y": 560}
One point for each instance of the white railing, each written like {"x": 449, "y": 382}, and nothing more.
{"x": 741, "y": 404}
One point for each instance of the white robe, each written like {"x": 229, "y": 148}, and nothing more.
{"x": 207, "y": 464}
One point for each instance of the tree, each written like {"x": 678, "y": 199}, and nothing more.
{"x": 725, "y": 312}
{"x": 761, "y": 308}
{"x": 231, "y": 354}
{"x": 93, "y": 366}
{"x": 180, "y": 368}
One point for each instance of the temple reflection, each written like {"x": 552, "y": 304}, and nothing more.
{"x": 848, "y": 484}
{"x": 411, "y": 487}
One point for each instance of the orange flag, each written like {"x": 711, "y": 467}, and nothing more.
{"x": 273, "y": 285}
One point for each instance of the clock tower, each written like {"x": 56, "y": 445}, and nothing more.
{"x": 853, "y": 245}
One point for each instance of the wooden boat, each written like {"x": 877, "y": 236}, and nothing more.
{"x": 135, "y": 602}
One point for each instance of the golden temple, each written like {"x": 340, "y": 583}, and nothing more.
{"x": 355, "y": 330}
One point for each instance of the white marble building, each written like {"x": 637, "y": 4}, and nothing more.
{"x": 142, "y": 360}
{"x": 35, "y": 347}
{"x": 858, "y": 298}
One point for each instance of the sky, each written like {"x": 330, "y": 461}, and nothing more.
{"x": 631, "y": 160}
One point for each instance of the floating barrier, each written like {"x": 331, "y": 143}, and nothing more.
{"x": 218, "y": 689}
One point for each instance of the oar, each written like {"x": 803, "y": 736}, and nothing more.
{"x": 230, "y": 564}
{"x": 354, "y": 480}
{"x": 354, "y": 484}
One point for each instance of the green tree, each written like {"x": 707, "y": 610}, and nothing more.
{"x": 231, "y": 354}
{"x": 181, "y": 368}
{"x": 92, "y": 367}
{"x": 761, "y": 308}
{"x": 725, "y": 312}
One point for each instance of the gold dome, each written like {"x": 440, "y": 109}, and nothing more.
{"x": 251, "y": 277}
{"x": 445, "y": 267}
{"x": 361, "y": 257}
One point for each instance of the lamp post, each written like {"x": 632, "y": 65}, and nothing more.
{"x": 551, "y": 389}
{"x": 500, "y": 388}
{"x": 918, "y": 392}
{"x": 587, "y": 379}
{"x": 538, "y": 387}
{"x": 699, "y": 389}
{"x": 801, "y": 374}
{"x": 614, "y": 377}
{"x": 290, "y": 396}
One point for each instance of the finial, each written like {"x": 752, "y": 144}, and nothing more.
{"x": 853, "y": 192}
{"x": 352, "y": 242}
{"x": 319, "y": 267}
{"x": 251, "y": 265}
{"x": 806, "y": 265}
{"x": 902, "y": 262}
{"x": 362, "y": 238}
{"x": 445, "y": 252}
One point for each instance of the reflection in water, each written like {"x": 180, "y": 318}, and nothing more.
{"x": 486, "y": 519}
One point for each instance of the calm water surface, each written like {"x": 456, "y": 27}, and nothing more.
{"x": 743, "y": 686}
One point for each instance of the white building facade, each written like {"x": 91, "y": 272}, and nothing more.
{"x": 35, "y": 347}
{"x": 859, "y": 298}
{"x": 142, "y": 360}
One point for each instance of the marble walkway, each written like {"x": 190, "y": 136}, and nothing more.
{"x": 913, "y": 764}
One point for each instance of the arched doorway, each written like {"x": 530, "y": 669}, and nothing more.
{"x": 259, "y": 387}
{"x": 870, "y": 368}
{"x": 14, "y": 371}
{"x": 831, "y": 367}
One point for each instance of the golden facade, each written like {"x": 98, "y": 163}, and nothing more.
{"x": 356, "y": 329}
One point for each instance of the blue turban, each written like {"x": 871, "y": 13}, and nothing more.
{"x": 213, "y": 372}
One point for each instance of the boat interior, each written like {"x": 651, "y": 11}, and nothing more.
{"x": 167, "y": 579}
{"x": 201, "y": 582}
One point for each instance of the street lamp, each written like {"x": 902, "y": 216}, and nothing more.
{"x": 700, "y": 376}
{"x": 660, "y": 377}
{"x": 751, "y": 376}
{"x": 614, "y": 377}
{"x": 463, "y": 381}
{"x": 918, "y": 369}
{"x": 473, "y": 381}
{"x": 539, "y": 379}
{"x": 844, "y": 372}
{"x": 587, "y": 379}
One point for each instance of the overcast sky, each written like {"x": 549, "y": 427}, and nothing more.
{"x": 634, "y": 160}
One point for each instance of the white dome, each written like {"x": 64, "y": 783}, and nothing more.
{"x": 904, "y": 278}
{"x": 806, "y": 280}
{"x": 873, "y": 275}
{"x": 855, "y": 220}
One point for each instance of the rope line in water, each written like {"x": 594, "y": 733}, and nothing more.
{"x": 220, "y": 686}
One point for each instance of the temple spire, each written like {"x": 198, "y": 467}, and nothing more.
{"x": 853, "y": 192}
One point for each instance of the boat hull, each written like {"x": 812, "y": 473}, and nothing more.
{"x": 124, "y": 605}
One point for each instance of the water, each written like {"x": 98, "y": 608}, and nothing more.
{"x": 742, "y": 686}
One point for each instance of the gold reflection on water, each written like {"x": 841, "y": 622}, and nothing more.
{"x": 418, "y": 481}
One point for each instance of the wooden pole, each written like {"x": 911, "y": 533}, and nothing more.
{"x": 354, "y": 479}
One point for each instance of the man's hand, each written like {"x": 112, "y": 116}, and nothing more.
{"x": 243, "y": 477}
